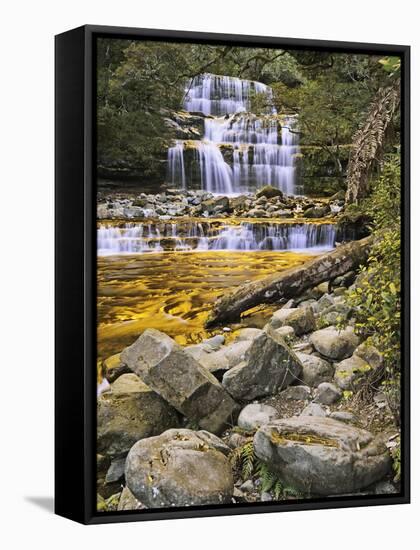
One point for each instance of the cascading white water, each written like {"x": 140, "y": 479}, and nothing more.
{"x": 176, "y": 165}
{"x": 218, "y": 95}
{"x": 216, "y": 174}
{"x": 137, "y": 238}
{"x": 262, "y": 155}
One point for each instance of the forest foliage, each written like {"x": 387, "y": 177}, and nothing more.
{"x": 140, "y": 83}
{"x": 377, "y": 298}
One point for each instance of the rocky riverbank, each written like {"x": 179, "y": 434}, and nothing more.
{"x": 247, "y": 415}
{"x": 268, "y": 202}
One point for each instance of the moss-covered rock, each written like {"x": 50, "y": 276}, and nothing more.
{"x": 269, "y": 192}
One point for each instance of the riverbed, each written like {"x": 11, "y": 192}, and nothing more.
{"x": 174, "y": 291}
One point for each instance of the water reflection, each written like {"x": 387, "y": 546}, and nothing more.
{"x": 174, "y": 291}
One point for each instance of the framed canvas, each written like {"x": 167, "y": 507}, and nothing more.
{"x": 232, "y": 274}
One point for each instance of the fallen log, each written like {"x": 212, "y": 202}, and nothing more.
{"x": 291, "y": 282}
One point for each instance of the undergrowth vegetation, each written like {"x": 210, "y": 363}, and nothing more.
{"x": 247, "y": 465}
{"x": 376, "y": 298}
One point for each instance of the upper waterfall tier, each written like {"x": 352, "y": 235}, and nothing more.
{"x": 218, "y": 95}
{"x": 264, "y": 146}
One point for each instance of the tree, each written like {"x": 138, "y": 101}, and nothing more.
{"x": 369, "y": 140}
{"x": 331, "y": 102}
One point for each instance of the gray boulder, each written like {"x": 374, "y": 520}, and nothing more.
{"x": 255, "y": 415}
{"x": 180, "y": 468}
{"x": 325, "y": 302}
{"x": 327, "y": 393}
{"x": 313, "y": 409}
{"x": 115, "y": 471}
{"x": 269, "y": 192}
{"x": 333, "y": 343}
{"x": 180, "y": 379}
{"x": 315, "y": 370}
{"x": 371, "y": 355}
{"x": 302, "y": 320}
{"x": 269, "y": 366}
{"x": 322, "y": 456}
{"x": 350, "y": 372}
{"x": 124, "y": 418}
{"x": 296, "y": 393}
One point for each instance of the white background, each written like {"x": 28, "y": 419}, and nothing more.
{"x": 26, "y": 291}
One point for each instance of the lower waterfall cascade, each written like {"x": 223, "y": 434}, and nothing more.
{"x": 264, "y": 147}
{"x": 138, "y": 238}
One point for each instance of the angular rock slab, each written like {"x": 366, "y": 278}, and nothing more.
{"x": 180, "y": 468}
{"x": 269, "y": 366}
{"x": 124, "y": 418}
{"x": 180, "y": 379}
{"x": 333, "y": 343}
{"x": 322, "y": 456}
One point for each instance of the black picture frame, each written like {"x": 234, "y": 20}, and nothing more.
{"x": 75, "y": 274}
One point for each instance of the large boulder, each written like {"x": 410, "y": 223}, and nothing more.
{"x": 215, "y": 204}
{"x": 315, "y": 370}
{"x": 322, "y": 456}
{"x": 317, "y": 212}
{"x": 333, "y": 343}
{"x": 269, "y": 192}
{"x": 180, "y": 379}
{"x": 255, "y": 415}
{"x": 302, "y": 320}
{"x": 124, "y": 418}
{"x": 180, "y": 468}
{"x": 270, "y": 365}
{"x": 349, "y": 373}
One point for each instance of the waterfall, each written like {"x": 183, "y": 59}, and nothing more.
{"x": 219, "y": 95}
{"x": 216, "y": 174}
{"x": 176, "y": 165}
{"x": 138, "y": 238}
{"x": 263, "y": 147}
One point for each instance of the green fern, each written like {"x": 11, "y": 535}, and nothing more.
{"x": 243, "y": 459}
{"x": 245, "y": 463}
{"x": 267, "y": 477}
{"x": 278, "y": 489}
{"x": 248, "y": 460}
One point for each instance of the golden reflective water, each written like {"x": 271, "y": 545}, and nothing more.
{"x": 174, "y": 291}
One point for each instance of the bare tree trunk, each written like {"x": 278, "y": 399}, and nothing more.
{"x": 291, "y": 282}
{"x": 369, "y": 140}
